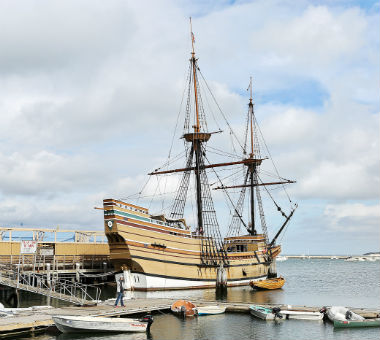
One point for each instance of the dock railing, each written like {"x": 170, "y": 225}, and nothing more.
{"x": 40, "y": 263}
{"x": 74, "y": 292}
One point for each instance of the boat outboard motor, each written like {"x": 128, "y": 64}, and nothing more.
{"x": 323, "y": 311}
{"x": 148, "y": 319}
{"x": 183, "y": 311}
{"x": 276, "y": 311}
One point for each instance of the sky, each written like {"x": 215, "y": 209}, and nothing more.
{"x": 90, "y": 92}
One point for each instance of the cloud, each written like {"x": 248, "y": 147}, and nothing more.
{"x": 90, "y": 93}
{"x": 46, "y": 173}
{"x": 353, "y": 217}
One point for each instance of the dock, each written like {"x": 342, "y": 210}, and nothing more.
{"x": 40, "y": 320}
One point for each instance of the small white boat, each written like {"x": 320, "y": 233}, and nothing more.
{"x": 281, "y": 258}
{"x": 209, "y": 310}
{"x": 338, "y": 313}
{"x": 75, "y": 324}
{"x": 265, "y": 313}
{"x": 301, "y": 315}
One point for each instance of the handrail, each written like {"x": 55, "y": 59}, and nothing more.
{"x": 57, "y": 288}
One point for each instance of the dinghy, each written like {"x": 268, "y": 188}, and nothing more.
{"x": 342, "y": 317}
{"x": 275, "y": 283}
{"x": 265, "y": 313}
{"x": 79, "y": 324}
{"x": 183, "y": 308}
{"x": 209, "y": 310}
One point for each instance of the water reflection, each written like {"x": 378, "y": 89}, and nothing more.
{"x": 103, "y": 336}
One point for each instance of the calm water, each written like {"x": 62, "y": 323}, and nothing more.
{"x": 309, "y": 282}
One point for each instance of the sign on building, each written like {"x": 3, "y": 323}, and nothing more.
{"x": 28, "y": 247}
{"x": 47, "y": 251}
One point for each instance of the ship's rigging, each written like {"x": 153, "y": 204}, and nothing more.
{"x": 196, "y": 137}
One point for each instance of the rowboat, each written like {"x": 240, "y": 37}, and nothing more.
{"x": 183, "y": 308}
{"x": 80, "y": 324}
{"x": 265, "y": 313}
{"x": 275, "y": 283}
{"x": 342, "y": 317}
{"x": 210, "y": 310}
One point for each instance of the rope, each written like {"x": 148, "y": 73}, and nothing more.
{"x": 220, "y": 110}
{"x": 270, "y": 156}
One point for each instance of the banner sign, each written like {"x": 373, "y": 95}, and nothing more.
{"x": 28, "y": 247}
{"x": 47, "y": 251}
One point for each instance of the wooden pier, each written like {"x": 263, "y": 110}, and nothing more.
{"x": 40, "y": 320}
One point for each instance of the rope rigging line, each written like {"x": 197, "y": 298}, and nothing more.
{"x": 224, "y": 153}
{"x": 228, "y": 196}
{"x": 210, "y": 109}
{"x": 275, "y": 203}
{"x": 220, "y": 110}
{"x": 270, "y": 156}
{"x": 228, "y": 176}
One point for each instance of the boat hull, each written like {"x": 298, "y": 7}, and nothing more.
{"x": 146, "y": 282}
{"x": 73, "y": 324}
{"x": 210, "y": 310}
{"x": 183, "y": 308}
{"x": 302, "y": 315}
{"x": 276, "y": 283}
{"x": 262, "y": 313}
{"x": 161, "y": 257}
{"x": 357, "y": 324}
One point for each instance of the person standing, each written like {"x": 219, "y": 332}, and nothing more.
{"x": 120, "y": 291}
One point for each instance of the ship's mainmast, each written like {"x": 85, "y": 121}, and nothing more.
{"x": 252, "y": 168}
{"x": 196, "y": 138}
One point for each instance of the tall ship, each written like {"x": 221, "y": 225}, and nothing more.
{"x": 159, "y": 251}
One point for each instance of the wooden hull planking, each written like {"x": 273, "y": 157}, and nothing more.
{"x": 163, "y": 257}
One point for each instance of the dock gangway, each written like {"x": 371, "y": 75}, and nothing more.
{"x": 65, "y": 290}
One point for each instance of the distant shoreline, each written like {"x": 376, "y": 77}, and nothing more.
{"x": 327, "y": 256}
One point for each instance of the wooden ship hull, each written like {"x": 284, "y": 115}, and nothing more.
{"x": 159, "y": 256}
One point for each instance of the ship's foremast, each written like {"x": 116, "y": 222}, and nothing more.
{"x": 213, "y": 252}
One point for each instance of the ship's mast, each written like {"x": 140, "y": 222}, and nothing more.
{"x": 252, "y": 167}
{"x": 197, "y": 144}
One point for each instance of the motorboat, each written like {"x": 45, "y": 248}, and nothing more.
{"x": 209, "y": 310}
{"x": 79, "y": 324}
{"x": 275, "y": 283}
{"x": 278, "y": 313}
{"x": 183, "y": 308}
{"x": 265, "y": 313}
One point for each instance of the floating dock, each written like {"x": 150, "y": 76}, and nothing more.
{"x": 40, "y": 320}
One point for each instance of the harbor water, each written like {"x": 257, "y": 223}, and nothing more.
{"x": 309, "y": 282}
